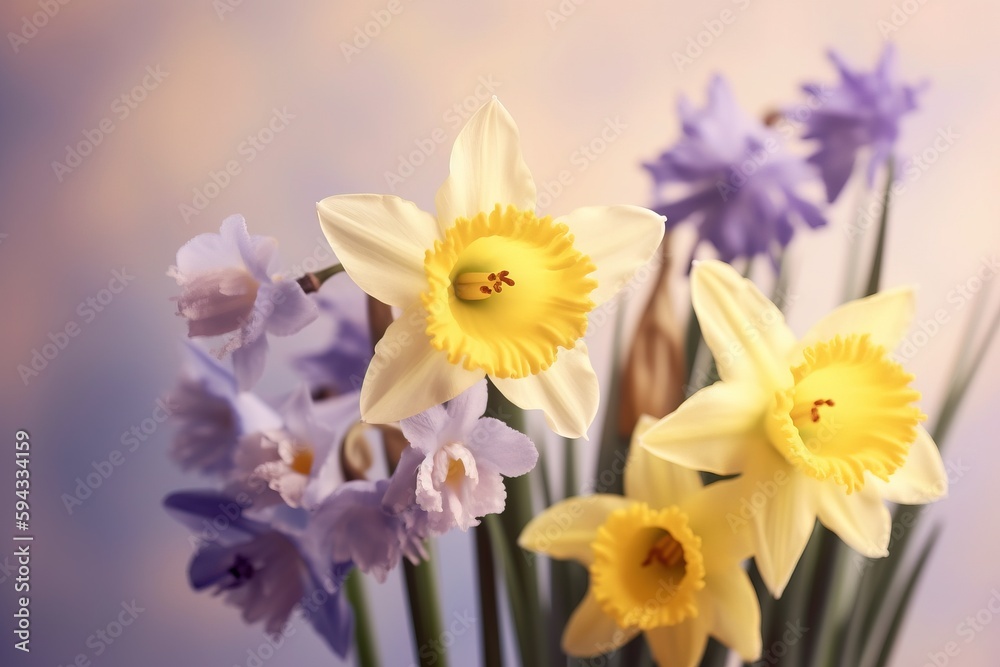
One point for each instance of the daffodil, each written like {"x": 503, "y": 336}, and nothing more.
{"x": 487, "y": 287}
{"x": 824, "y": 427}
{"x": 662, "y": 561}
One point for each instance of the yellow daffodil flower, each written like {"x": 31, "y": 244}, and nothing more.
{"x": 662, "y": 561}
{"x": 487, "y": 288}
{"x": 824, "y": 427}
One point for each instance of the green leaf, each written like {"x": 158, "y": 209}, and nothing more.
{"x": 903, "y": 605}
{"x": 515, "y": 596}
{"x": 365, "y": 649}
{"x": 875, "y": 277}
{"x": 964, "y": 374}
{"x": 425, "y": 611}
{"x": 488, "y": 609}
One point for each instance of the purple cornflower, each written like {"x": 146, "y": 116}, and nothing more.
{"x": 735, "y": 179}
{"x": 227, "y": 288}
{"x": 262, "y": 569}
{"x": 864, "y": 111}
{"x": 454, "y": 466}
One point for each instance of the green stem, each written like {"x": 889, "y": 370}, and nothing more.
{"x": 854, "y": 248}
{"x": 516, "y": 515}
{"x": 715, "y": 654}
{"x": 569, "y": 467}
{"x": 563, "y": 584}
{"x": 631, "y": 653}
{"x": 795, "y": 603}
{"x": 830, "y": 619}
{"x": 425, "y": 612}
{"x": 364, "y": 642}
{"x": 613, "y": 445}
{"x": 767, "y": 603}
{"x": 518, "y": 609}
{"x": 543, "y": 469}
{"x": 692, "y": 345}
{"x": 421, "y": 588}
{"x": 874, "y": 278}
{"x": 311, "y": 282}
{"x": 488, "y": 609}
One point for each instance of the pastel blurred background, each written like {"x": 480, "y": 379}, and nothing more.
{"x": 213, "y": 74}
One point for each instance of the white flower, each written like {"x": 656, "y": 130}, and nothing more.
{"x": 487, "y": 288}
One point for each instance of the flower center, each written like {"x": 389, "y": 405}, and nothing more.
{"x": 302, "y": 460}
{"x": 850, "y": 410}
{"x": 456, "y": 473}
{"x": 479, "y": 286}
{"x": 476, "y": 314}
{"x": 647, "y": 567}
{"x": 241, "y": 571}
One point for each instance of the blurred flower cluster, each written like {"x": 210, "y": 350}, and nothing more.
{"x": 736, "y": 438}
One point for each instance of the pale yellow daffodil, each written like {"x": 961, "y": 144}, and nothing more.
{"x": 662, "y": 561}
{"x": 486, "y": 287}
{"x": 824, "y": 427}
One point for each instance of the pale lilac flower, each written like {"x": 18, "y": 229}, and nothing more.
{"x": 298, "y": 463}
{"x": 227, "y": 288}
{"x": 211, "y": 415}
{"x": 456, "y": 461}
{"x": 864, "y": 111}
{"x": 340, "y": 367}
{"x": 263, "y": 570}
{"x": 732, "y": 177}
{"x": 354, "y": 525}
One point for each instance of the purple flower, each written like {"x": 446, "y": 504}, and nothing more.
{"x": 340, "y": 367}
{"x": 263, "y": 570}
{"x": 298, "y": 463}
{"x": 211, "y": 415}
{"x": 454, "y": 466}
{"x": 862, "y": 112}
{"x": 354, "y": 525}
{"x": 227, "y": 288}
{"x": 734, "y": 179}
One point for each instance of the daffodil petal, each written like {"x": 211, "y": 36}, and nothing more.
{"x": 737, "y": 612}
{"x": 567, "y": 392}
{"x": 618, "y": 239}
{"x": 590, "y": 632}
{"x": 886, "y": 316}
{"x": 746, "y": 333}
{"x": 486, "y": 168}
{"x": 860, "y": 519}
{"x": 567, "y": 529}
{"x": 681, "y": 645}
{"x": 922, "y": 479}
{"x": 783, "y": 518}
{"x": 654, "y": 480}
{"x": 381, "y": 241}
{"x": 711, "y": 430}
{"x": 719, "y": 516}
{"x": 407, "y": 375}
